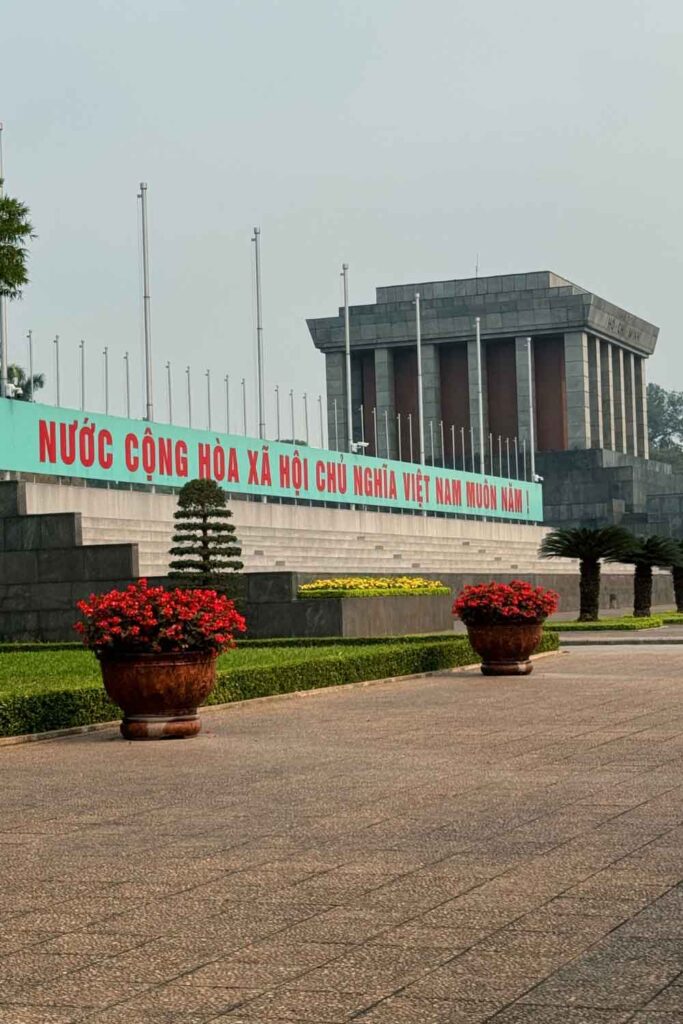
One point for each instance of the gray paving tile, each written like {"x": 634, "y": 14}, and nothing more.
{"x": 21, "y": 1014}
{"x": 293, "y": 1005}
{"x": 560, "y": 1015}
{"x": 404, "y": 1010}
{"x": 434, "y": 849}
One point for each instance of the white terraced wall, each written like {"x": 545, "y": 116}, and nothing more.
{"x": 306, "y": 539}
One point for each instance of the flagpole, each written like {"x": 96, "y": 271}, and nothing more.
{"x": 149, "y": 401}
{"x": 125, "y": 359}
{"x": 106, "y": 379}
{"x": 189, "y": 398}
{"x": 532, "y": 438}
{"x": 259, "y": 336}
{"x": 56, "y": 344}
{"x": 82, "y": 348}
{"x": 170, "y": 392}
{"x": 30, "y": 363}
{"x": 480, "y": 398}
{"x": 420, "y": 409}
{"x": 347, "y": 352}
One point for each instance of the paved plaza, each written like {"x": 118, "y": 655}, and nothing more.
{"x": 450, "y": 849}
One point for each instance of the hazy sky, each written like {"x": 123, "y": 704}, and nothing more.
{"x": 401, "y": 137}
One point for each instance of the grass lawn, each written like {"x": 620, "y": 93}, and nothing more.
{"x": 622, "y": 622}
{"x": 43, "y": 690}
{"x": 39, "y": 671}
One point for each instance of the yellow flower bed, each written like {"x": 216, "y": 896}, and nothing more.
{"x": 373, "y": 586}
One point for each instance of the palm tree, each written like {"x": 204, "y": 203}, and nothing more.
{"x": 25, "y": 388}
{"x": 590, "y": 547}
{"x": 645, "y": 553}
{"x": 677, "y": 579}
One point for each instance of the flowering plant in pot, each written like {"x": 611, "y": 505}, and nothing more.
{"x": 504, "y": 622}
{"x": 157, "y": 649}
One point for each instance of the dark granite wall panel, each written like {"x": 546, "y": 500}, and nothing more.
{"x": 501, "y": 379}
{"x": 405, "y": 390}
{"x": 455, "y": 398}
{"x": 551, "y": 395}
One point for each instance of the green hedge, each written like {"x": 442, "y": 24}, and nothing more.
{"x": 11, "y": 647}
{"x": 626, "y": 622}
{"x": 85, "y": 703}
{"x": 352, "y": 641}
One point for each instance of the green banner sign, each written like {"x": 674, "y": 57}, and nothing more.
{"x": 61, "y": 442}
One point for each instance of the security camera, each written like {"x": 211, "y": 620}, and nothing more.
{"x": 357, "y": 446}
{"x": 13, "y": 390}
{"x": 538, "y": 479}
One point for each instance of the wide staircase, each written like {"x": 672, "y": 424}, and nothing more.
{"x": 305, "y": 538}
{"x": 306, "y": 549}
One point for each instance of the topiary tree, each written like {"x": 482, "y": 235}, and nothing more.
{"x": 206, "y": 548}
{"x": 645, "y": 553}
{"x": 591, "y": 548}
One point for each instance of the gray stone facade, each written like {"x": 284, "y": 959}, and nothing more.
{"x": 588, "y": 379}
{"x": 598, "y": 375}
{"x": 45, "y": 569}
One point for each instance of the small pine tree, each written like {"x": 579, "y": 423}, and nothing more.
{"x": 204, "y": 542}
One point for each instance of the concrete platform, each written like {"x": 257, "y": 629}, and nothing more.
{"x": 452, "y": 849}
{"x": 306, "y": 539}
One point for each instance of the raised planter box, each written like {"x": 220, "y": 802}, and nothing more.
{"x": 273, "y": 609}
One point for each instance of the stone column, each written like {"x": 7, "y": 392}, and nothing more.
{"x": 386, "y": 402}
{"x": 595, "y": 389}
{"x": 474, "y": 400}
{"x": 522, "y": 376}
{"x": 631, "y": 416}
{"x": 619, "y": 399}
{"x": 641, "y": 408}
{"x": 335, "y": 377}
{"x": 578, "y": 393}
{"x": 431, "y": 400}
{"x": 607, "y": 376}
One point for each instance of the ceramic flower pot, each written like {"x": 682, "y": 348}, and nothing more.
{"x": 159, "y": 693}
{"x": 505, "y": 649}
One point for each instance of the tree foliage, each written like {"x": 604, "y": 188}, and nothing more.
{"x": 205, "y": 547}
{"x": 591, "y": 548}
{"x": 15, "y": 231}
{"x": 25, "y": 388}
{"x": 605, "y": 545}
{"x": 645, "y": 554}
{"x": 665, "y": 417}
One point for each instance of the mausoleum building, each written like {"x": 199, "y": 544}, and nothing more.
{"x": 588, "y": 367}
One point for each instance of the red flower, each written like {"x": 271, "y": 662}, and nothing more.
{"x": 151, "y": 619}
{"x": 517, "y": 601}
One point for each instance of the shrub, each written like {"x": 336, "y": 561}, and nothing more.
{"x": 373, "y": 586}
{"x": 204, "y": 543}
{"x": 504, "y": 603}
